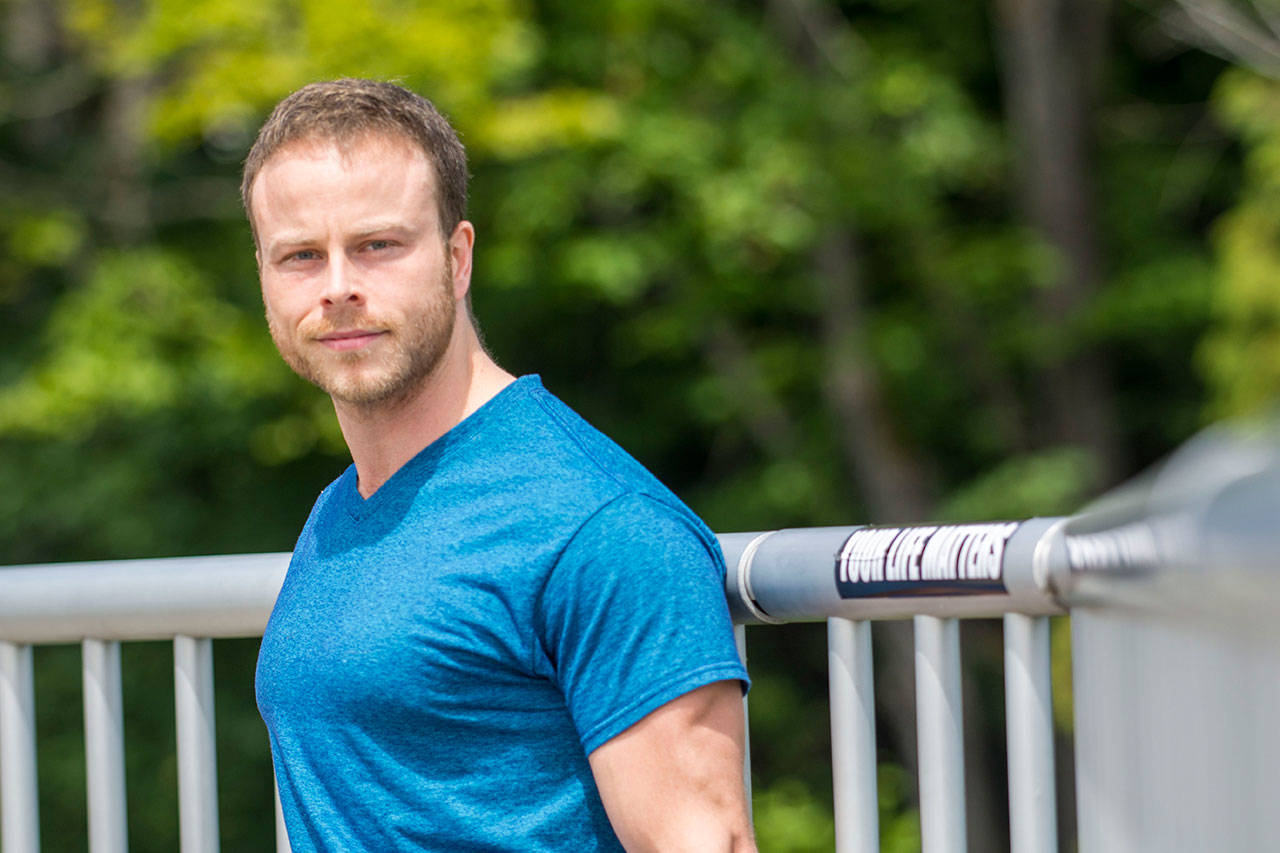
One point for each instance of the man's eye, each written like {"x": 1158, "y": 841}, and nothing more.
{"x": 378, "y": 244}
{"x": 303, "y": 255}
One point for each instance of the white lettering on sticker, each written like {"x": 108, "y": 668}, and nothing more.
{"x": 930, "y": 554}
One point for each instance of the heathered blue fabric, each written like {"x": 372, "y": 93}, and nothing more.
{"x": 443, "y": 656}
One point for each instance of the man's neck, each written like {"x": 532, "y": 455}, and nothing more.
{"x": 384, "y": 438}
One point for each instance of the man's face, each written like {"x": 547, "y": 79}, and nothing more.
{"x": 358, "y": 284}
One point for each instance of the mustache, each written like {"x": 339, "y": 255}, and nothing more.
{"x": 340, "y": 322}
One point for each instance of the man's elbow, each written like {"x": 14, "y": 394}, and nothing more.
{"x": 715, "y": 821}
{"x": 704, "y": 836}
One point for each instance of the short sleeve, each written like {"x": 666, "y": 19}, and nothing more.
{"x": 634, "y": 615}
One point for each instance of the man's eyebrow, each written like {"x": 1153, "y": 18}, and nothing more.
{"x": 376, "y": 227}
{"x": 288, "y": 241}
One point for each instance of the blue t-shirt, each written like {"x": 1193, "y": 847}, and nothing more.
{"x": 444, "y": 655}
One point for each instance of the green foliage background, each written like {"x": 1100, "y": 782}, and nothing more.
{"x": 655, "y": 184}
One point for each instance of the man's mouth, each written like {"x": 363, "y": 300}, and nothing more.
{"x": 349, "y": 340}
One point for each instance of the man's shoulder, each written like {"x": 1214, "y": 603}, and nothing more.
{"x": 644, "y": 523}
{"x": 578, "y": 473}
{"x": 555, "y": 438}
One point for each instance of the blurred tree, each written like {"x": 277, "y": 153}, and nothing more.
{"x": 1053, "y": 54}
{"x": 1241, "y": 354}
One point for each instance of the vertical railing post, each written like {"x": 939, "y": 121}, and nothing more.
{"x": 853, "y": 736}
{"x": 940, "y": 733}
{"x": 740, "y": 638}
{"x": 1033, "y": 826}
{"x": 19, "y": 813}
{"x": 104, "y": 747}
{"x": 197, "y": 759}
{"x": 282, "y": 832}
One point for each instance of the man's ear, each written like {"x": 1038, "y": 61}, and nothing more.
{"x": 460, "y": 247}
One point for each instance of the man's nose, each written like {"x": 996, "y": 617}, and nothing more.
{"x": 341, "y": 285}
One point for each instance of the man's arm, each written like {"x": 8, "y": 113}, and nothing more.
{"x": 673, "y": 781}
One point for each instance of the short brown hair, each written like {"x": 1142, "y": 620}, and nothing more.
{"x": 343, "y": 111}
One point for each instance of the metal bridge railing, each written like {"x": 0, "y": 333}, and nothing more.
{"x": 1172, "y": 586}
{"x": 934, "y": 574}
{"x": 189, "y": 600}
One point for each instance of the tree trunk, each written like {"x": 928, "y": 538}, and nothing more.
{"x": 126, "y": 209}
{"x": 767, "y": 421}
{"x": 892, "y": 481}
{"x": 1050, "y": 52}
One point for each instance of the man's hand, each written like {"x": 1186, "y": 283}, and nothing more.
{"x": 673, "y": 781}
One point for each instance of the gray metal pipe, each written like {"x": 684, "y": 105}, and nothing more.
{"x": 282, "y": 832}
{"x": 940, "y": 734}
{"x": 221, "y": 596}
{"x": 948, "y": 570}
{"x": 19, "y": 813}
{"x": 740, "y": 639}
{"x": 197, "y": 753}
{"x": 776, "y": 576}
{"x": 104, "y": 747}
{"x": 1033, "y": 808}
{"x": 853, "y": 736}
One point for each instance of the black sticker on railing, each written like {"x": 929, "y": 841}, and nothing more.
{"x": 949, "y": 559}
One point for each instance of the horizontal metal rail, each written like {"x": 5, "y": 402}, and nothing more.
{"x": 946, "y": 570}
{"x": 222, "y": 596}
{"x": 790, "y": 575}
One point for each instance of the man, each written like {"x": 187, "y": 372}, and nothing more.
{"x": 497, "y": 631}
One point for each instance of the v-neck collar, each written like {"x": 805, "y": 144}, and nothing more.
{"x": 412, "y": 473}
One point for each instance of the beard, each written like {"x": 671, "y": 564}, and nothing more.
{"x": 390, "y": 368}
